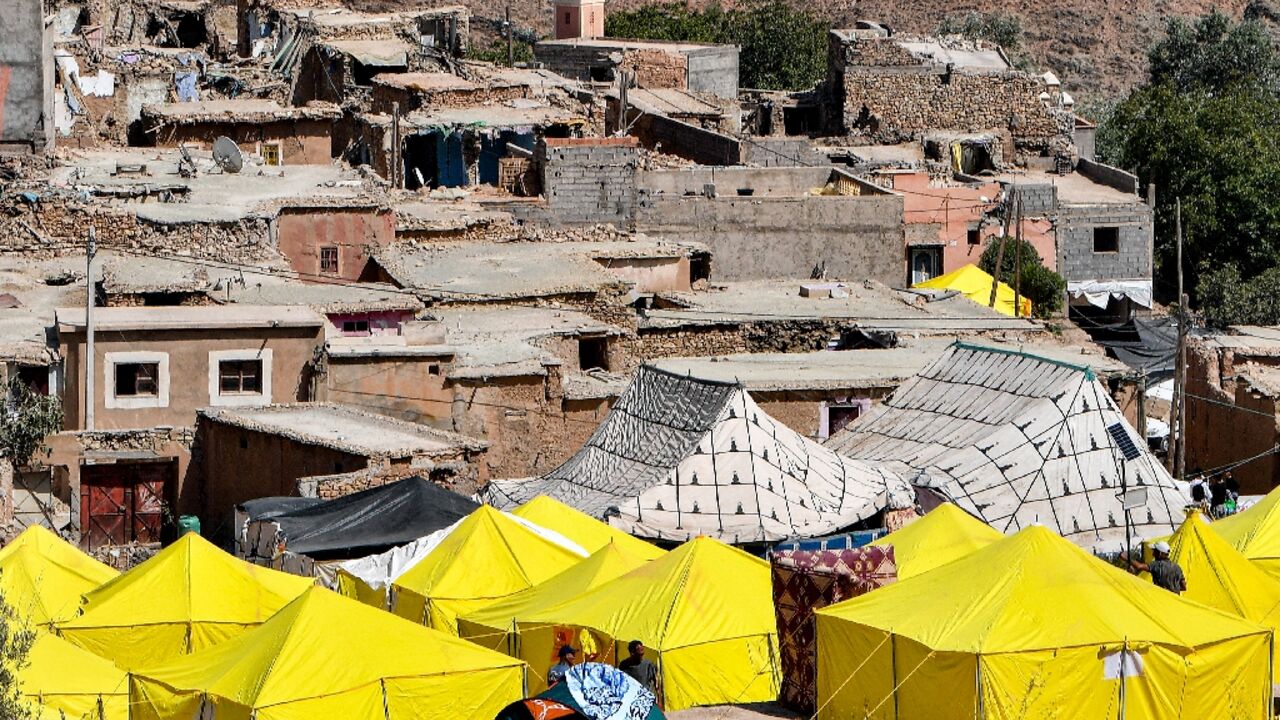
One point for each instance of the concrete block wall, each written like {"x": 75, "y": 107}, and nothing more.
{"x": 1078, "y": 261}
{"x": 590, "y": 180}
{"x": 24, "y": 96}
{"x": 1038, "y": 198}
{"x": 714, "y": 70}
{"x": 705, "y": 147}
{"x": 1107, "y": 175}
{"x": 777, "y": 152}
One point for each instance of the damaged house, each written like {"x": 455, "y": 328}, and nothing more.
{"x": 278, "y": 135}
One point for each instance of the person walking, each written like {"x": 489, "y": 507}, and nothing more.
{"x": 1165, "y": 573}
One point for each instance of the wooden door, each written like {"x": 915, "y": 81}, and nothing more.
{"x": 124, "y": 502}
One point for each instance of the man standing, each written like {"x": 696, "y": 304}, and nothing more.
{"x": 1165, "y": 573}
{"x": 560, "y": 669}
{"x": 640, "y": 669}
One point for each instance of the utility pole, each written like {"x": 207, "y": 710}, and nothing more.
{"x": 90, "y": 290}
{"x": 397, "y": 167}
{"x": 511, "y": 47}
{"x": 1017, "y": 263}
{"x": 1180, "y": 366}
{"x": 1142, "y": 404}
{"x": 1004, "y": 233}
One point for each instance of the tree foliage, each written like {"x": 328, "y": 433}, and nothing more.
{"x": 783, "y": 48}
{"x": 26, "y": 419}
{"x": 16, "y": 639}
{"x": 1000, "y": 28}
{"x": 1206, "y": 129}
{"x": 1042, "y": 286}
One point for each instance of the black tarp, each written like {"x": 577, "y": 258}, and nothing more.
{"x": 1149, "y": 344}
{"x": 373, "y": 520}
{"x": 269, "y": 507}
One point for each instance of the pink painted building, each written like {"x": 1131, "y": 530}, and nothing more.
{"x": 579, "y": 19}
{"x": 944, "y": 224}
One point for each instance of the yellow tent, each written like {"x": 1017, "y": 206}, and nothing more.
{"x": 487, "y": 558}
{"x": 189, "y": 596}
{"x": 491, "y": 625}
{"x": 944, "y": 534}
{"x": 583, "y": 529}
{"x": 1220, "y": 577}
{"x": 704, "y": 611}
{"x": 1256, "y": 532}
{"x": 1034, "y": 627}
{"x": 62, "y": 677}
{"x": 327, "y": 656}
{"x": 42, "y": 577}
{"x": 974, "y": 283}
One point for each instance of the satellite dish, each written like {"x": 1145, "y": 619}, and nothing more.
{"x": 227, "y": 155}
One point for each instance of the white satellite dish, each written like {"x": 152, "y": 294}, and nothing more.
{"x": 227, "y": 155}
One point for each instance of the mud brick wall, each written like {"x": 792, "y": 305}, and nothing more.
{"x": 657, "y": 69}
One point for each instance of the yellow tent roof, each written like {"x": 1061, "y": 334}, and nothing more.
{"x": 1256, "y": 532}
{"x": 61, "y": 676}
{"x": 1035, "y": 591}
{"x": 324, "y": 655}
{"x": 974, "y": 283}
{"x": 489, "y": 556}
{"x": 187, "y": 597}
{"x": 43, "y": 576}
{"x": 1220, "y": 577}
{"x": 489, "y": 625}
{"x": 581, "y": 528}
{"x": 944, "y": 534}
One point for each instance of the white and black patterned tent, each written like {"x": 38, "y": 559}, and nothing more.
{"x": 1016, "y": 439}
{"x": 679, "y": 457}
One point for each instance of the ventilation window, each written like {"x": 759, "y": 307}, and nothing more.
{"x": 593, "y": 353}
{"x": 329, "y": 260}
{"x": 1106, "y": 239}
{"x": 975, "y": 237}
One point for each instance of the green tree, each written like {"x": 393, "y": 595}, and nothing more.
{"x": 1000, "y": 28}
{"x": 783, "y": 48}
{"x": 26, "y": 419}
{"x": 1206, "y": 129}
{"x": 16, "y": 639}
{"x": 1042, "y": 286}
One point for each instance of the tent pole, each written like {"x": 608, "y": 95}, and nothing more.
{"x": 1124, "y": 653}
{"x": 893, "y": 661}
{"x": 386, "y": 707}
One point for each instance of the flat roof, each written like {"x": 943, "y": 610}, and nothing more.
{"x": 189, "y": 317}
{"x": 24, "y": 329}
{"x": 494, "y": 341}
{"x": 672, "y": 101}
{"x": 345, "y": 429}
{"x": 872, "y": 305}
{"x": 247, "y": 110}
{"x": 512, "y": 113}
{"x": 966, "y": 54}
{"x": 425, "y": 81}
{"x": 376, "y": 53}
{"x": 628, "y": 44}
{"x": 1072, "y": 188}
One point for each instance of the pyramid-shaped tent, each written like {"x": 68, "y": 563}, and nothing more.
{"x": 187, "y": 597}
{"x": 489, "y": 556}
{"x": 702, "y": 606}
{"x": 1255, "y": 532}
{"x": 63, "y": 677}
{"x": 944, "y": 534}
{"x": 1028, "y": 626}
{"x": 975, "y": 283}
{"x": 1016, "y": 439}
{"x": 326, "y": 656}
{"x": 492, "y": 626}
{"x": 42, "y": 577}
{"x": 680, "y": 456}
{"x": 581, "y": 528}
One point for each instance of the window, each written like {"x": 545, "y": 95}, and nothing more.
{"x": 975, "y": 237}
{"x": 355, "y": 327}
{"x": 593, "y": 353}
{"x": 329, "y": 260}
{"x": 271, "y": 154}
{"x": 138, "y": 379}
{"x": 1106, "y": 239}
{"x": 240, "y": 377}
{"x": 433, "y": 369}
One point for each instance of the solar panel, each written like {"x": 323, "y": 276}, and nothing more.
{"x": 1123, "y": 441}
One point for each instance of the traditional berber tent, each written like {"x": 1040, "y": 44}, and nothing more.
{"x": 326, "y": 656}
{"x": 1255, "y": 532}
{"x": 62, "y": 677}
{"x": 493, "y": 626}
{"x": 704, "y": 612}
{"x": 944, "y": 534}
{"x": 975, "y": 283}
{"x": 1031, "y": 625}
{"x": 489, "y": 556}
{"x": 42, "y": 576}
{"x": 1016, "y": 439}
{"x": 187, "y": 597}
{"x": 681, "y": 456}
{"x": 583, "y": 529}
{"x": 1220, "y": 577}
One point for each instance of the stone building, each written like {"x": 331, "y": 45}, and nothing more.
{"x": 893, "y": 88}
{"x": 654, "y": 64}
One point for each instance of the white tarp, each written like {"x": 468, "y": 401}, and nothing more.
{"x": 1015, "y": 440}
{"x": 680, "y": 456}
{"x": 101, "y": 85}
{"x": 1099, "y": 293}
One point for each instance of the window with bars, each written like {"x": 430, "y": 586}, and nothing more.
{"x": 240, "y": 377}
{"x": 329, "y": 260}
{"x": 271, "y": 154}
{"x": 137, "y": 379}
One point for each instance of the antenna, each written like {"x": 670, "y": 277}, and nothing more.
{"x": 227, "y": 155}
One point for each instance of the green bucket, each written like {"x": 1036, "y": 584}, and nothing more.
{"x": 188, "y": 524}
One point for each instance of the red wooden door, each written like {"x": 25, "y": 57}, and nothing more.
{"x": 104, "y": 506}
{"x": 148, "y": 503}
